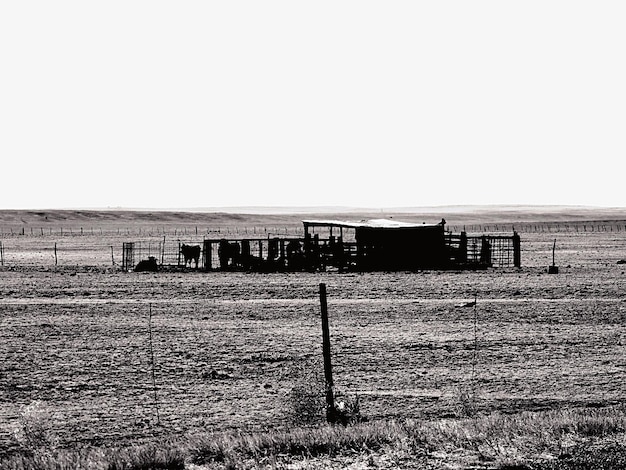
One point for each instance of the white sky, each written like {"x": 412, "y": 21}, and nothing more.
{"x": 288, "y": 103}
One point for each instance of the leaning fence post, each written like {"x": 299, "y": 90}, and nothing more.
{"x": 55, "y": 254}
{"x": 328, "y": 370}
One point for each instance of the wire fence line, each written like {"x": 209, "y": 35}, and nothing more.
{"x": 148, "y": 231}
{"x": 295, "y": 230}
{"x": 95, "y": 376}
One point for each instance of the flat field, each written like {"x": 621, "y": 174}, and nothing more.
{"x": 113, "y": 357}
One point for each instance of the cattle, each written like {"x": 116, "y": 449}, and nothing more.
{"x": 149, "y": 265}
{"x": 227, "y": 252}
{"x": 294, "y": 247}
{"x": 295, "y": 255}
{"x": 190, "y": 253}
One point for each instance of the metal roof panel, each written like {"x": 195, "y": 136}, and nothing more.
{"x": 371, "y": 223}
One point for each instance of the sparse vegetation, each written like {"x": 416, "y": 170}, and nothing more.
{"x": 152, "y": 457}
{"x": 550, "y": 439}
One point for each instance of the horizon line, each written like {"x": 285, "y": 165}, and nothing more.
{"x": 267, "y": 209}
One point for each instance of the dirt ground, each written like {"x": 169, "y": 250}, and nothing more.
{"x": 87, "y": 342}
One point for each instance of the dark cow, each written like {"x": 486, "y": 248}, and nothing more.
{"x": 295, "y": 255}
{"x": 190, "y": 253}
{"x": 149, "y": 265}
{"x": 228, "y": 251}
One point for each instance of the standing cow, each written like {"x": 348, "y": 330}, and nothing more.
{"x": 227, "y": 252}
{"x": 190, "y": 253}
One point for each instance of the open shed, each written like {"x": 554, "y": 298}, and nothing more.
{"x": 380, "y": 244}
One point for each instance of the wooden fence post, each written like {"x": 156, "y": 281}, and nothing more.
{"x": 517, "y": 250}
{"x": 128, "y": 256}
{"x": 207, "y": 254}
{"x": 462, "y": 258}
{"x": 328, "y": 370}
{"x": 553, "y": 269}
{"x": 55, "y": 254}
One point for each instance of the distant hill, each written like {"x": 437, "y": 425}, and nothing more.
{"x": 242, "y": 216}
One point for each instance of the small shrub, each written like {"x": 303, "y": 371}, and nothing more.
{"x": 34, "y": 428}
{"x": 306, "y": 399}
{"x": 466, "y": 406}
{"x": 307, "y": 403}
{"x": 347, "y": 409}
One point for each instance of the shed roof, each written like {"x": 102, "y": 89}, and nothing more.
{"x": 372, "y": 223}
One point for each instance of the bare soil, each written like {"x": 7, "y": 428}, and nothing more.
{"x": 228, "y": 347}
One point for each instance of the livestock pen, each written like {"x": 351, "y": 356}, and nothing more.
{"x": 168, "y": 253}
{"x": 373, "y": 245}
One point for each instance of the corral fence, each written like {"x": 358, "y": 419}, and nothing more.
{"x": 223, "y": 254}
{"x": 255, "y": 254}
{"x": 312, "y": 254}
{"x": 166, "y": 253}
{"x": 483, "y": 251}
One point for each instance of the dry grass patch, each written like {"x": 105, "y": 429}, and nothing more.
{"x": 324, "y": 440}
{"x": 549, "y": 439}
{"x": 510, "y": 440}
